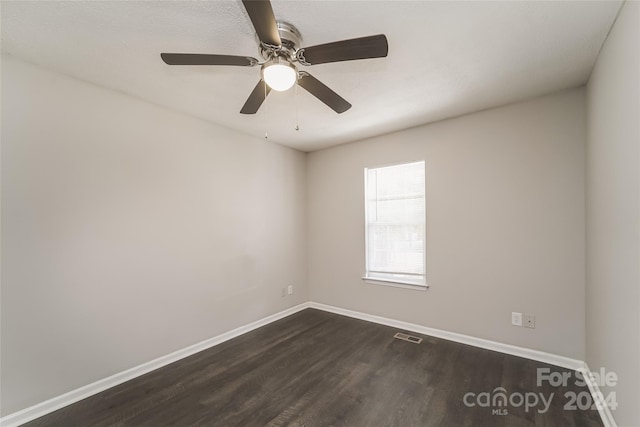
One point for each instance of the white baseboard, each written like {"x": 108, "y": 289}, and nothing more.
{"x": 48, "y": 406}
{"x": 603, "y": 410}
{"x": 527, "y": 353}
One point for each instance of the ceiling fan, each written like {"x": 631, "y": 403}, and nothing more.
{"x": 279, "y": 44}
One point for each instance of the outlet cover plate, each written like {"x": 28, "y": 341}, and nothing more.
{"x": 516, "y": 319}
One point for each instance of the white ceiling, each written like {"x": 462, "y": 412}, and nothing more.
{"x": 445, "y": 58}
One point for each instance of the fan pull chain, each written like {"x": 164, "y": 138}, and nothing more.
{"x": 296, "y": 102}
{"x": 266, "y": 110}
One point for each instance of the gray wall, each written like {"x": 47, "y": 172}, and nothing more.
{"x": 613, "y": 213}
{"x": 505, "y": 224}
{"x": 130, "y": 231}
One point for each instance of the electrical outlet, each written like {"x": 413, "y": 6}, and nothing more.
{"x": 529, "y": 321}
{"x": 516, "y": 319}
{"x": 284, "y": 292}
{"x": 290, "y": 289}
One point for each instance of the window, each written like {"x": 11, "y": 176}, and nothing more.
{"x": 395, "y": 224}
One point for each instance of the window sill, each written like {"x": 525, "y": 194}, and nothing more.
{"x": 395, "y": 283}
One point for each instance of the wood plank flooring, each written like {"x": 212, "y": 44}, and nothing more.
{"x": 320, "y": 369}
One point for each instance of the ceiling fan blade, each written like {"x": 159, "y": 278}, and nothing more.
{"x": 345, "y": 50}
{"x": 205, "y": 59}
{"x": 257, "y": 97}
{"x": 264, "y": 21}
{"x": 318, "y": 89}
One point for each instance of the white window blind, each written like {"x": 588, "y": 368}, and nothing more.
{"x": 395, "y": 223}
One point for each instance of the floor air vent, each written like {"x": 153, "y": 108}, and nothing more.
{"x": 409, "y": 338}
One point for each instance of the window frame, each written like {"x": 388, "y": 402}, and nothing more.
{"x": 394, "y": 282}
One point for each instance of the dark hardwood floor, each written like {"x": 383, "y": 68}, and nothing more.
{"x": 320, "y": 369}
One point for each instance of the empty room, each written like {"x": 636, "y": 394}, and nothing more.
{"x": 320, "y": 213}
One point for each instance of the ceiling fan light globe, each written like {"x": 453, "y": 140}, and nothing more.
{"x": 280, "y": 76}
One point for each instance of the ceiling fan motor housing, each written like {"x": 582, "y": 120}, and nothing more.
{"x": 291, "y": 41}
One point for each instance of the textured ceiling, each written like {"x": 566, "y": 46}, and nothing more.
{"x": 445, "y": 58}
